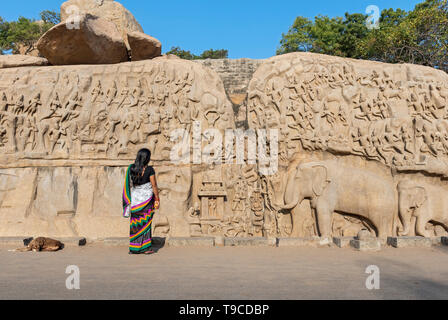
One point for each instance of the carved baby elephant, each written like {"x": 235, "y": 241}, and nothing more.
{"x": 334, "y": 187}
{"x": 425, "y": 202}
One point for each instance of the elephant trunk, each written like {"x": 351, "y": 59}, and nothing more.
{"x": 288, "y": 206}
{"x": 405, "y": 216}
{"x": 292, "y": 198}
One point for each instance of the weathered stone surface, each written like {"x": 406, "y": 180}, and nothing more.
{"x": 96, "y": 41}
{"x": 336, "y": 119}
{"x": 445, "y": 241}
{"x": 366, "y": 245}
{"x": 73, "y": 241}
{"x": 343, "y": 242}
{"x": 17, "y": 60}
{"x": 236, "y": 75}
{"x": 81, "y": 162}
{"x": 110, "y": 10}
{"x": 348, "y": 130}
{"x": 12, "y": 241}
{"x": 249, "y": 242}
{"x": 219, "y": 241}
{"x": 190, "y": 242}
{"x": 143, "y": 47}
{"x": 410, "y": 242}
{"x": 302, "y": 242}
{"x": 124, "y": 241}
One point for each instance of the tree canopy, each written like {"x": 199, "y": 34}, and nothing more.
{"x": 207, "y": 54}
{"x": 419, "y": 36}
{"x": 25, "y": 32}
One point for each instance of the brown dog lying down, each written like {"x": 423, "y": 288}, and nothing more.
{"x": 41, "y": 244}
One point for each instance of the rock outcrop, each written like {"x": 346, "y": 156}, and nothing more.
{"x": 106, "y": 9}
{"x": 94, "y": 41}
{"x": 349, "y": 134}
{"x": 17, "y": 60}
{"x": 143, "y": 47}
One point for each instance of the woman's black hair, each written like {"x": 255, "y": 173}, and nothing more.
{"x": 141, "y": 161}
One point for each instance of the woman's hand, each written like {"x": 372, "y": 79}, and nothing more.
{"x": 156, "y": 205}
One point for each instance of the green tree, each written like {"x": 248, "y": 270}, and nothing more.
{"x": 214, "y": 54}
{"x": 24, "y": 33}
{"x": 419, "y": 36}
{"x": 50, "y": 17}
{"x": 4, "y": 30}
{"x": 183, "y": 54}
{"x": 207, "y": 54}
{"x": 298, "y": 38}
{"x": 334, "y": 36}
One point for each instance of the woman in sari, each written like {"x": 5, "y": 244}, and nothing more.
{"x": 140, "y": 199}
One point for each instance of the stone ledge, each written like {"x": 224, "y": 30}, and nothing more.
{"x": 303, "y": 242}
{"x": 410, "y": 242}
{"x": 118, "y": 241}
{"x": 124, "y": 241}
{"x": 73, "y": 241}
{"x": 19, "y": 241}
{"x": 16, "y": 241}
{"x": 187, "y": 242}
{"x": 444, "y": 241}
{"x": 343, "y": 242}
{"x": 366, "y": 245}
{"x": 250, "y": 242}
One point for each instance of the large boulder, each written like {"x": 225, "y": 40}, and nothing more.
{"x": 106, "y": 9}
{"x": 96, "y": 41}
{"x": 143, "y": 47}
{"x": 17, "y": 60}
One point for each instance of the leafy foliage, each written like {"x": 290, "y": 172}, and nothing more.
{"x": 25, "y": 32}
{"x": 207, "y": 54}
{"x": 419, "y": 36}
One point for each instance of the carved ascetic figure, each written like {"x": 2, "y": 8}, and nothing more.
{"x": 423, "y": 201}
{"x": 334, "y": 187}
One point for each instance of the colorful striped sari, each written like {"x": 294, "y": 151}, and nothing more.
{"x": 138, "y": 201}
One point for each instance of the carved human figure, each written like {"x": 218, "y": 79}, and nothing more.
{"x": 212, "y": 207}
{"x": 97, "y": 93}
{"x": 27, "y": 135}
{"x": 130, "y": 134}
{"x": 365, "y": 145}
{"x": 111, "y": 94}
{"x": 33, "y": 105}
{"x": 48, "y": 125}
{"x": 19, "y": 106}
{"x": 365, "y": 105}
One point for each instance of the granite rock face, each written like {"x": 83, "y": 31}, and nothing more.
{"x": 143, "y": 47}
{"x": 110, "y": 10}
{"x": 364, "y": 143}
{"x": 17, "y": 60}
{"x": 94, "y": 41}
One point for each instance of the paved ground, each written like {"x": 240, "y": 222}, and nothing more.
{"x": 225, "y": 273}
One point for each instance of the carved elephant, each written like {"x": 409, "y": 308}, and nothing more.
{"x": 423, "y": 201}
{"x": 334, "y": 187}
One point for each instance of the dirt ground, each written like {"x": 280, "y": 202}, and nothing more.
{"x": 224, "y": 273}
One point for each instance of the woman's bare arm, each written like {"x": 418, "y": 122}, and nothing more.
{"x": 155, "y": 188}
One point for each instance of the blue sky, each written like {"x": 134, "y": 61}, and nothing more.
{"x": 247, "y": 28}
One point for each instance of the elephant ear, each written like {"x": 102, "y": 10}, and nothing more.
{"x": 320, "y": 179}
{"x": 419, "y": 197}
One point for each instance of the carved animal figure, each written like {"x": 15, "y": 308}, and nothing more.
{"x": 423, "y": 201}
{"x": 42, "y": 244}
{"x": 333, "y": 187}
